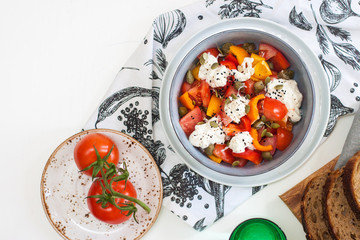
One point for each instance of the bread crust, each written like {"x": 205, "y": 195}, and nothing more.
{"x": 350, "y": 184}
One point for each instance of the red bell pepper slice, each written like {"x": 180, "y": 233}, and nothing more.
{"x": 229, "y": 64}
{"x": 244, "y": 126}
{"x": 251, "y": 155}
{"x": 231, "y": 58}
{"x": 280, "y": 62}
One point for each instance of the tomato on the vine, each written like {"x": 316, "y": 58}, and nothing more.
{"x": 111, "y": 214}
{"x": 85, "y": 154}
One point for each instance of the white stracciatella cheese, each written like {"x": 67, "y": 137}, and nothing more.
{"x": 217, "y": 75}
{"x": 287, "y": 92}
{"x": 241, "y": 141}
{"x": 236, "y": 108}
{"x": 207, "y": 133}
{"x": 244, "y": 71}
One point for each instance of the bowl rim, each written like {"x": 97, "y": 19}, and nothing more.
{"x": 317, "y": 125}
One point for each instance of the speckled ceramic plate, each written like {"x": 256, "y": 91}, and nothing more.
{"x": 63, "y": 191}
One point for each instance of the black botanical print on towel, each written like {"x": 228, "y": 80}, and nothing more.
{"x": 199, "y": 225}
{"x": 337, "y": 110}
{"x": 168, "y": 26}
{"x": 159, "y": 65}
{"x": 332, "y": 72}
{"x": 299, "y": 20}
{"x": 245, "y": 8}
{"x": 114, "y": 101}
{"x": 344, "y": 51}
{"x": 335, "y": 11}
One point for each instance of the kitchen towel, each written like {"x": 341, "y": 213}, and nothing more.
{"x": 131, "y": 105}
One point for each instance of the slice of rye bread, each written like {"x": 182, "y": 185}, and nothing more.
{"x": 341, "y": 220}
{"x": 312, "y": 211}
{"x": 351, "y": 181}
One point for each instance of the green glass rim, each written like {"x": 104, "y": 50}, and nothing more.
{"x": 260, "y": 219}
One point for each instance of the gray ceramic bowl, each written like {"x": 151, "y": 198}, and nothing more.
{"x": 309, "y": 75}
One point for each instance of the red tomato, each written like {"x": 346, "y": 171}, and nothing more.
{"x": 251, "y": 155}
{"x": 232, "y": 129}
{"x": 205, "y": 93}
{"x": 242, "y": 162}
{"x": 84, "y": 152}
{"x": 232, "y": 58}
{"x": 229, "y": 64}
{"x": 249, "y": 87}
{"x": 212, "y": 51}
{"x": 225, "y": 119}
{"x": 194, "y": 92}
{"x": 110, "y": 214}
{"x": 284, "y": 138}
{"x": 230, "y": 91}
{"x": 270, "y": 141}
{"x": 274, "y": 109}
{"x": 189, "y": 121}
{"x": 223, "y": 152}
{"x": 280, "y": 62}
{"x": 267, "y": 51}
{"x": 185, "y": 87}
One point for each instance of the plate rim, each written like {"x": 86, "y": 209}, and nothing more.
{"x": 99, "y": 130}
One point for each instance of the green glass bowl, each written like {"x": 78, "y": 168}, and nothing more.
{"x": 257, "y": 229}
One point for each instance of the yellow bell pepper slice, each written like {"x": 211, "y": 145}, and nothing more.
{"x": 256, "y": 58}
{"x": 187, "y": 101}
{"x": 253, "y": 113}
{"x": 254, "y": 134}
{"x": 239, "y": 53}
{"x": 214, "y": 106}
{"x": 215, "y": 159}
{"x": 195, "y": 72}
{"x": 262, "y": 70}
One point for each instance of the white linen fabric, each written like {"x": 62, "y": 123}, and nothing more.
{"x": 131, "y": 105}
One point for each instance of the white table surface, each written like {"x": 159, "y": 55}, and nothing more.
{"x": 57, "y": 59}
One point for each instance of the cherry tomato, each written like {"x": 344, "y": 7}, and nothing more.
{"x": 189, "y": 121}
{"x": 223, "y": 152}
{"x": 110, "y": 214}
{"x": 84, "y": 152}
{"x": 212, "y": 51}
{"x": 249, "y": 87}
{"x": 267, "y": 51}
{"x": 280, "y": 62}
{"x": 205, "y": 93}
{"x": 274, "y": 109}
{"x": 284, "y": 138}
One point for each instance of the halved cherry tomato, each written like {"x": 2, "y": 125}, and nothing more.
{"x": 110, "y": 214}
{"x": 284, "y": 138}
{"x": 274, "y": 109}
{"x": 225, "y": 119}
{"x": 280, "y": 62}
{"x": 232, "y": 58}
{"x": 185, "y": 87}
{"x": 189, "y": 121}
{"x": 212, "y": 51}
{"x": 251, "y": 155}
{"x": 267, "y": 51}
{"x": 270, "y": 141}
{"x": 249, "y": 87}
{"x": 229, "y": 64}
{"x": 205, "y": 93}
{"x": 230, "y": 91}
{"x": 223, "y": 152}
{"x": 85, "y": 154}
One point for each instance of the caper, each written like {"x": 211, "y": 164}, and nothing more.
{"x": 269, "y": 134}
{"x": 203, "y": 57}
{"x": 249, "y": 47}
{"x": 209, "y": 150}
{"x": 247, "y": 109}
{"x": 275, "y": 125}
{"x": 214, "y": 66}
{"x": 189, "y": 77}
{"x": 235, "y": 163}
{"x": 286, "y": 74}
{"x": 257, "y": 124}
{"x": 258, "y": 86}
{"x": 267, "y": 80}
{"x": 263, "y": 133}
{"x": 183, "y": 111}
{"x": 213, "y": 124}
{"x": 266, "y": 155}
{"x": 238, "y": 85}
{"x": 225, "y": 49}
{"x": 270, "y": 64}
{"x": 279, "y": 87}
